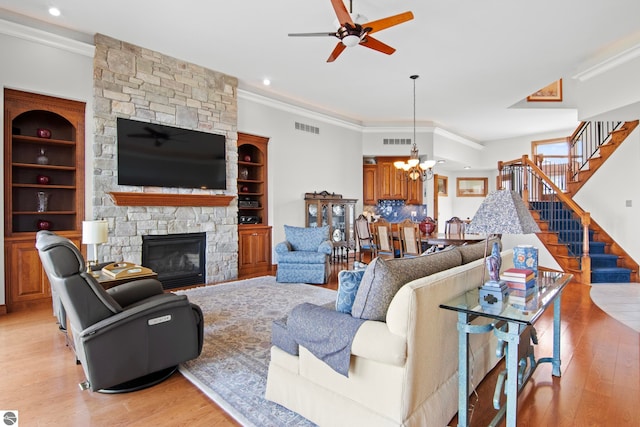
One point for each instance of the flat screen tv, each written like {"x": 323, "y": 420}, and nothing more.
{"x": 165, "y": 156}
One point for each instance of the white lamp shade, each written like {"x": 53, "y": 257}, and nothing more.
{"x": 94, "y": 232}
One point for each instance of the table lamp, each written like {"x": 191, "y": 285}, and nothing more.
{"x": 94, "y": 233}
{"x": 501, "y": 212}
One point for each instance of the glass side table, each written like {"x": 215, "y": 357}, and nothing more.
{"x": 512, "y": 324}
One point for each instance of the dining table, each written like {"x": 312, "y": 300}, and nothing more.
{"x": 455, "y": 239}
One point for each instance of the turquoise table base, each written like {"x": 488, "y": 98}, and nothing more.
{"x": 514, "y": 329}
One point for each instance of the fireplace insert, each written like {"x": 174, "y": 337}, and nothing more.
{"x": 179, "y": 259}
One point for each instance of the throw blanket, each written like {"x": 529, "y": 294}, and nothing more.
{"x": 326, "y": 333}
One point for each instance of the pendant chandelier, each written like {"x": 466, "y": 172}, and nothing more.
{"x": 412, "y": 168}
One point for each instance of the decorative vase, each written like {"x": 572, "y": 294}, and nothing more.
{"x": 43, "y": 133}
{"x": 245, "y": 189}
{"x": 427, "y": 225}
{"x": 43, "y": 224}
{"x": 43, "y": 201}
{"x": 244, "y": 173}
{"x": 42, "y": 159}
{"x": 247, "y": 158}
{"x": 43, "y": 179}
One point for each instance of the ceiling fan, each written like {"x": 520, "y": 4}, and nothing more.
{"x": 351, "y": 33}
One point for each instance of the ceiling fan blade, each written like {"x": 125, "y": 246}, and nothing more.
{"x": 333, "y": 34}
{"x": 336, "y": 52}
{"x": 390, "y": 21}
{"x": 341, "y": 12}
{"x": 375, "y": 44}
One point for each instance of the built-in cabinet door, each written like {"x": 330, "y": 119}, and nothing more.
{"x": 414, "y": 192}
{"x": 369, "y": 184}
{"x": 27, "y": 279}
{"x": 254, "y": 247}
{"x": 390, "y": 186}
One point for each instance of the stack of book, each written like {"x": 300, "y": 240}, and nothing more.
{"x": 521, "y": 283}
{"x": 519, "y": 278}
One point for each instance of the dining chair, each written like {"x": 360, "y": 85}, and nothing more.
{"x": 384, "y": 239}
{"x": 410, "y": 242}
{"x": 364, "y": 237}
{"x": 454, "y": 226}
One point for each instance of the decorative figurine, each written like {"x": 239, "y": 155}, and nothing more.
{"x": 494, "y": 261}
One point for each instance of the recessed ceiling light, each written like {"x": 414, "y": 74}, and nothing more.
{"x": 54, "y": 11}
{"x": 266, "y": 82}
{"x": 442, "y": 161}
{"x": 467, "y": 167}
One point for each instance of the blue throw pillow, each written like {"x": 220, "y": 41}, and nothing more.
{"x": 348, "y": 283}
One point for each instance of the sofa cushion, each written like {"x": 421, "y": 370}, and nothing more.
{"x": 383, "y": 278}
{"x": 475, "y": 251}
{"x": 306, "y": 238}
{"x": 348, "y": 284}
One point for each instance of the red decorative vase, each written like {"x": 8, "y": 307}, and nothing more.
{"x": 43, "y": 179}
{"x": 428, "y": 225}
{"x": 245, "y": 189}
{"x": 43, "y": 133}
{"x": 247, "y": 158}
{"x": 43, "y": 224}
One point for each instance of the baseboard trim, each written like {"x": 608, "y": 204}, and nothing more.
{"x": 3, "y": 309}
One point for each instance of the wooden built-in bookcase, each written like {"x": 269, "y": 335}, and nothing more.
{"x": 43, "y": 153}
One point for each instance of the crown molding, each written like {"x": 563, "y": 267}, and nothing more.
{"x": 609, "y": 64}
{"x": 294, "y": 109}
{"x": 45, "y": 38}
{"x": 457, "y": 138}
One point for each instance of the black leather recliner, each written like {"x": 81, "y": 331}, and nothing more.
{"x": 127, "y": 335}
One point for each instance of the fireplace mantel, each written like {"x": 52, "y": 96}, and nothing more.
{"x": 164, "y": 199}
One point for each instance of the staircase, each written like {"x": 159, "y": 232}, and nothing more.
{"x": 577, "y": 243}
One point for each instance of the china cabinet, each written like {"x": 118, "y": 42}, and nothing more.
{"x": 254, "y": 232}
{"x": 43, "y": 185}
{"x": 331, "y": 209}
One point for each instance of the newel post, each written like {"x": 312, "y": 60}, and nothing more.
{"x": 585, "y": 261}
{"x": 525, "y": 180}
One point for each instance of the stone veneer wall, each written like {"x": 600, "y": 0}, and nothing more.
{"x": 137, "y": 83}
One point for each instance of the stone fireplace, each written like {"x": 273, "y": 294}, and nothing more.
{"x": 141, "y": 84}
{"x": 179, "y": 259}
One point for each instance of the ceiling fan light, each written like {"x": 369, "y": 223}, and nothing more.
{"x": 350, "y": 40}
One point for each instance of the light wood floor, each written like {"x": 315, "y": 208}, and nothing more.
{"x": 600, "y": 384}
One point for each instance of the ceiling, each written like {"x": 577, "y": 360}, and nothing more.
{"x": 477, "y": 59}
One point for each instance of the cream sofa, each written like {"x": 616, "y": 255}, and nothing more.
{"x": 403, "y": 372}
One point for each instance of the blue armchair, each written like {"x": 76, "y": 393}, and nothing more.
{"x": 304, "y": 256}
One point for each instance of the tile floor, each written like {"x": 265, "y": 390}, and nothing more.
{"x": 620, "y": 301}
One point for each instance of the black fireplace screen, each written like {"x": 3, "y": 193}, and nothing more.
{"x": 179, "y": 259}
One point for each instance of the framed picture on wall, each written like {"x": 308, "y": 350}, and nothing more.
{"x": 550, "y": 93}
{"x": 471, "y": 187}
{"x": 442, "y": 185}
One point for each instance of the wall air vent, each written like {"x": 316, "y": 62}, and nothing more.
{"x": 396, "y": 141}
{"x": 307, "y": 128}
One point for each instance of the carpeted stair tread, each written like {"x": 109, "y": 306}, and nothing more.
{"x": 603, "y": 260}
{"x": 610, "y": 275}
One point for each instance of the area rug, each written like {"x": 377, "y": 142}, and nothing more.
{"x": 232, "y": 369}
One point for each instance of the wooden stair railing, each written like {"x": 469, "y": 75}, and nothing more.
{"x": 526, "y": 178}
{"x": 529, "y": 180}
{"x": 590, "y": 145}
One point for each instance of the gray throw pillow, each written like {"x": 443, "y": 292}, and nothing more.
{"x": 383, "y": 279}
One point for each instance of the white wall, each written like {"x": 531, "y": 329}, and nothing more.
{"x": 301, "y": 162}
{"x": 41, "y": 63}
